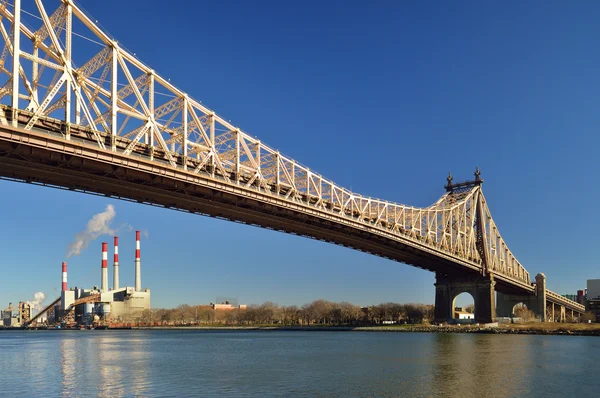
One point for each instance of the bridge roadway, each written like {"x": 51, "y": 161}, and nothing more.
{"x": 44, "y": 156}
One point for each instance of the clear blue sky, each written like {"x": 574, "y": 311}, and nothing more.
{"x": 416, "y": 89}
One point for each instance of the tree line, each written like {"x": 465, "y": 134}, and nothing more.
{"x": 319, "y": 312}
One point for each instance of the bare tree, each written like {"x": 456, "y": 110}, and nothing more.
{"x": 185, "y": 313}
{"x": 268, "y": 312}
{"x": 396, "y": 312}
{"x": 147, "y": 316}
{"x": 335, "y": 315}
{"x": 308, "y": 314}
{"x": 319, "y": 311}
{"x": 588, "y": 316}
{"x": 289, "y": 315}
{"x": 322, "y": 310}
{"x": 351, "y": 314}
{"x": 415, "y": 313}
{"x": 205, "y": 314}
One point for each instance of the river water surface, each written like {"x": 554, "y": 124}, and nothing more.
{"x": 282, "y": 363}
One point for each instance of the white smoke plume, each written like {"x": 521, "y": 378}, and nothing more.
{"x": 38, "y": 300}
{"x": 97, "y": 226}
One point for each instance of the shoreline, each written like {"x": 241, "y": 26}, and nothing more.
{"x": 531, "y": 329}
{"x": 484, "y": 329}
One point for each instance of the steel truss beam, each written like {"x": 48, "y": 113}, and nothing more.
{"x": 123, "y": 107}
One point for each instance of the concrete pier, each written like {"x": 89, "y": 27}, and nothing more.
{"x": 448, "y": 287}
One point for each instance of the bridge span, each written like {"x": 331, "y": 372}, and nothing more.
{"x": 107, "y": 124}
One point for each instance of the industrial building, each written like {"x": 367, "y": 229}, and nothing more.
{"x": 15, "y": 317}
{"x": 107, "y": 304}
{"x": 102, "y": 305}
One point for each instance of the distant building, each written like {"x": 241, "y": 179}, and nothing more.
{"x": 581, "y": 297}
{"x": 593, "y": 289}
{"x": 84, "y": 306}
{"x": 460, "y": 314}
{"x": 593, "y": 297}
{"x": 227, "y": 306}
{"x": 14, "y": 317}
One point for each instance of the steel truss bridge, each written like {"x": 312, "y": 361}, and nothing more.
{"x": 78, "y": 111}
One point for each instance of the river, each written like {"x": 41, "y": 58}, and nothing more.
{"x": 282, "y": 363}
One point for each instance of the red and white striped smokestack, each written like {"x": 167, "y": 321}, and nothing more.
{"x": 116, "y": 265}
{"x": 138, "y": 276}
{"x": 64, "y": 277}
{"x": 104, "y": 284}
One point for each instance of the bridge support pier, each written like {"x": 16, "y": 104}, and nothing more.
{"x": 556, "y": 312}
{"x": 540, "y": 292}
{"x": 537, "y": 304}
{"x": 505, "y": 304}
{"x": 447, "y": 287}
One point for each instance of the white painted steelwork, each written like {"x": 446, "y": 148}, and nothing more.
{"x": 106, "y": 104}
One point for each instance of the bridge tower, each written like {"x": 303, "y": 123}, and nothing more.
{"x": 480, "y": 285}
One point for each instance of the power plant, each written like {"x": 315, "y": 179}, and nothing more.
{"x": 15, "y": 317}
{"x": 95, "y": 306}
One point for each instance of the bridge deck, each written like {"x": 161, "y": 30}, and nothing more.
{"x": 44, "y": 156}
{"x": 47, "y": 158}
{"x": 561, "y": 300}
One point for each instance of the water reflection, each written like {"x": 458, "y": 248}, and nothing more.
{"x": 68, "y": 365}
{"x": 138, "y": 363}
{"x": 481, "y": 365}
{"x": 111, "y": 381}
{"x": 100, "y": 363}
{"x": 139, "y": 355}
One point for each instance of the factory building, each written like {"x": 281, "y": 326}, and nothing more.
{"x": 104, "y": 303}
{"x": 14, "y": 317}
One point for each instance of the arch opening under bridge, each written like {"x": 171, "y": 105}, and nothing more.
{"x": 464, "y": 310}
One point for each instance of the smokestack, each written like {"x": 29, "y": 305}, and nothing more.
{"x": 138, "y": 276}
{"x": 104, "y": 285}
{"x": 64, "y": 277}
{"x": 116, "y": 265}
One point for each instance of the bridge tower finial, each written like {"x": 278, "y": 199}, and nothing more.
{"x": 449, "y": 184}
{"x": 478, "y": 179}
{"x": 463, "y": 186}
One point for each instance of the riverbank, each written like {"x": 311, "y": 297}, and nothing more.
{"x": 576, "y": 329}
